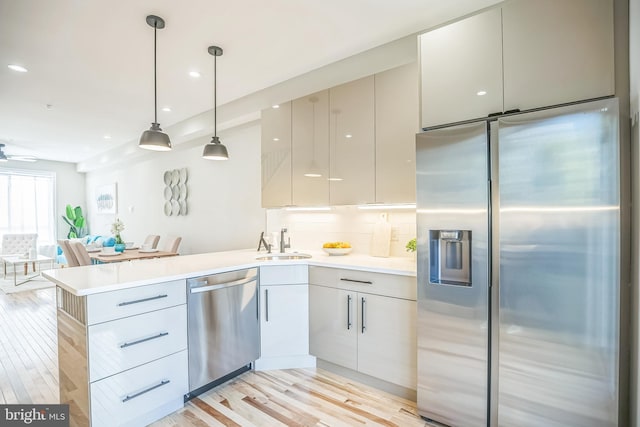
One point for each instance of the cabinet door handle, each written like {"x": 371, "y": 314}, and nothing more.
{"x": 147, "y": 390}
{"x": 366, "y": 282}
{"x": 129, "y": 344}
{"x": 363, "y": 302}
{"x": 266, "y": 304}
{"x": 122, "y": 304}
{"x": 348, "y": 312}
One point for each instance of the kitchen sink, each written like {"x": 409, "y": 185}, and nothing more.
{"x": 281, "y": 257}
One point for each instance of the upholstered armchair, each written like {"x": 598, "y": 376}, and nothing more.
{"x": 19, "y": 244}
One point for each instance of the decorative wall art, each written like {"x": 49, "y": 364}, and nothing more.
{"x": 106, "y": 199}
{"x": 175, "y": 192}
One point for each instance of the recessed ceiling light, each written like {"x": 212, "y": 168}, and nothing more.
{"x": 167, "y": 109}
{"x": 194, "y": 74}
{"x": 275, "y": 106}
{"x": 481, "y": 92}
{"x": 107, "y": 137}
{"x": 276, "y": 139}
{"x": 18, "y": 68}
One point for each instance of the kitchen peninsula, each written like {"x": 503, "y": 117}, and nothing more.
{"x": 122, "y": 328}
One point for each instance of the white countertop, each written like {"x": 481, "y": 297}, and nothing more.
{"x": 121, "y": 275}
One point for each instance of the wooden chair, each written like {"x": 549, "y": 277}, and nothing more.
{"x": 152, "y": 239}
{"x": 69, "y": 254}
{"x": 81, "y": 253}
{"x": 172, "y": 245}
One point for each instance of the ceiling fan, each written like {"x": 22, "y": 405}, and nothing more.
{"x": 5, "y": 158}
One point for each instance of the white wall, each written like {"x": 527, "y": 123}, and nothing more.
{"x": 634, "y": 75}
{"x": 223, "y": 200}
{"x": 309, "y": 230}
{"x": 70, "y": 187}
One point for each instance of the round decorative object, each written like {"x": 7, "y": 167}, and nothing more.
{"x": 167, "y": 193}
{"x": 183, "y": 207}
{"x": 175, "y": 177}
{"x": 175, "y": 208}
{"x": 167, "y": 177}
{"x": 175, "y": 192}
{"x": 182, "y": 190}
{"x": 337, "y": 251}
{"x": 119, "y": 247}
{"x": 183, "y": 175}
{"x": 167, "y": 208}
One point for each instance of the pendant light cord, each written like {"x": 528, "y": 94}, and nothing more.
{"x": 155, "y": 77}
{"x": 215, "y": 96}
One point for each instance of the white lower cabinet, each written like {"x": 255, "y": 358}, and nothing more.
{"x": 139, "y": 396}
{"x": 387, "y": 343}
{"x": 284, "y": 318}
{"x": 359, "y": 321}
{"x": 123, "y": 354}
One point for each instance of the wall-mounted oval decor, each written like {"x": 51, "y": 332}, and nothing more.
{"x": 175, "y": 192}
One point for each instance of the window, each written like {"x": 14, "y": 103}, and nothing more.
{"x": 27, "y": 204}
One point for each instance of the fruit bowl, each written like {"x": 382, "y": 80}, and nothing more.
{"x": 337, "y": 251}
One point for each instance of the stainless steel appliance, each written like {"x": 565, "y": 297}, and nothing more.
{"x": 224, "y": 327}
{"x": 518, "y": 269}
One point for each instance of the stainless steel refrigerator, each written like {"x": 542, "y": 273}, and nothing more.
{"x": 518, "y": 223}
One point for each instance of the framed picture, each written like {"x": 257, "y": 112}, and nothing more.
{"x": 106, "y": 199}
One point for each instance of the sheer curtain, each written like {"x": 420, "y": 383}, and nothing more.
{"x": 27, "y": 204}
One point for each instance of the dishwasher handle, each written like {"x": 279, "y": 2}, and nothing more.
{"x": 238, "y": 282}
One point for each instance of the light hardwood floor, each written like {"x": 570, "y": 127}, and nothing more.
{"x": 292, "y": 397}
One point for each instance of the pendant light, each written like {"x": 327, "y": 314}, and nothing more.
{"x": 215, "y": 150}
{"x": 154, "y": 139}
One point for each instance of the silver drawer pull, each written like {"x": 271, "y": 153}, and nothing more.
{"x": 141, "y": 300}
{"x": 133, "y": 396}
{"x": 129, "y": 344}
{"x": 367, "y": 282}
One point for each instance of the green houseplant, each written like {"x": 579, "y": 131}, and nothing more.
{"x": 76, "y": 221}
{"x": 411, "y": 245}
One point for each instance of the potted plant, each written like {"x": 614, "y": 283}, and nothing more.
{"x": 76, "y": 222}
{"x": 411, "y": 247}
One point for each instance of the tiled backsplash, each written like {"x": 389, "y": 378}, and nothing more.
{"x": 309, "y": 230}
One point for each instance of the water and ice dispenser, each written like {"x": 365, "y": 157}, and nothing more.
{"x": 450, "y": 257}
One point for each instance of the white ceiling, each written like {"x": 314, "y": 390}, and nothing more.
{"x": 92, "y": 60}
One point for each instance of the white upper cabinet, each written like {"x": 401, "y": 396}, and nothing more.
{"x": 276, "y": 156}
{"x": 523, "y": 55}
{"x": 310, "y": 136}
{"x": 461, "y": 69}
{"x": 352, "y": 143}
{"x": 397, "y": 122}
{"x": 557, "y": 52}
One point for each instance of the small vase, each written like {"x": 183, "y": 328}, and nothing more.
{"x": 119, "y": 247}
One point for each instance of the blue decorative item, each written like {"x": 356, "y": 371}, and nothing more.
{"x": 119, "y": 247}
{"x": 110, "y": 241}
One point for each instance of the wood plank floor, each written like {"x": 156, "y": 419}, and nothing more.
{"x": 292, "y": 397}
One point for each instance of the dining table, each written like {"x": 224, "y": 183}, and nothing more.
{"x": 128, "y": 255}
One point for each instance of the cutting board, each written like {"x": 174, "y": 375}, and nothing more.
{"x": 381, "y": 241}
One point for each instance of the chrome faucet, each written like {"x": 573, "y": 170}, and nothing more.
{"x": 284, "y": 245}
{"x": 264, "y": 242}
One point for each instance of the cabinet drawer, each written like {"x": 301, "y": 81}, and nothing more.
{"x": 284, "y": 275}
{"x": 125, "y": 343}
{"x": 142, "y": 395}
{"x": 128, "y": 302}
{"x": 364, "y": 281}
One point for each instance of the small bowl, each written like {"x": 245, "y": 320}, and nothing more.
{"x": 128, "y": 245}
{"x": 337, "y": 251}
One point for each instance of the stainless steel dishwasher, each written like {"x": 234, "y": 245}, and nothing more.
{"x": 224, "y": 327}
